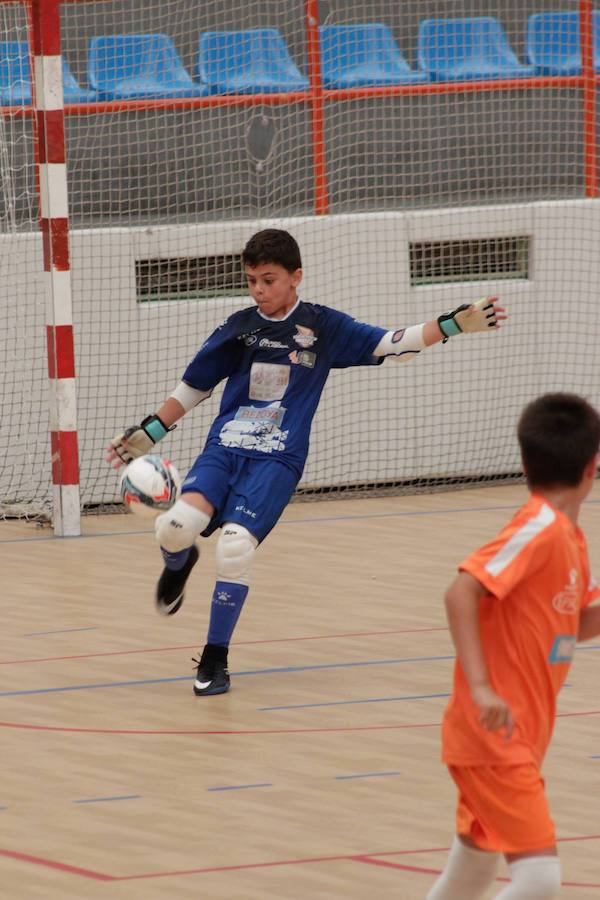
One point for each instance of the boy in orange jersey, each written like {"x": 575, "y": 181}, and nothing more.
{"x": 516, "y": 610}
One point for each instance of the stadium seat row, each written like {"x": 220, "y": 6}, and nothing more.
{"x": 132, "y": 66}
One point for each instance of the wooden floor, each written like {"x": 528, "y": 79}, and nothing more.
{"x": 318, "y": 775}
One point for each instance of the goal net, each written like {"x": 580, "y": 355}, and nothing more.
{"x": 25, "y": 478}
{"x": 421, "y": 162}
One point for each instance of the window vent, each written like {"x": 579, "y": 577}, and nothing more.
{"x": 189, "y": 278}
{"x": 485, "y": 259}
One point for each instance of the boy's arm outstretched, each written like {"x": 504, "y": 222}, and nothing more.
{"x": 484, "y": 315}
{"x": 462, "y": 610}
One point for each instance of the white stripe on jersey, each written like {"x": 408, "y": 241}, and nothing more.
{"x": 519, "y": 540}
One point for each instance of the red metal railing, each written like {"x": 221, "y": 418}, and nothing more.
{"x": 316, "y": 97}
{"x": 317, "y": 108}
{"x": 589, "y": 99}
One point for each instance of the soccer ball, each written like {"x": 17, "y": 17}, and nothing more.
{"x": 149, "y": 485}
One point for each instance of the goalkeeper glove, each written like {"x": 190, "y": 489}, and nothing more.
{"x": 469, "y": 317}
{"x": 139, "y": 439}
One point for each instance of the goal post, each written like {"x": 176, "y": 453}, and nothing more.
{"x": 48, "y": 101}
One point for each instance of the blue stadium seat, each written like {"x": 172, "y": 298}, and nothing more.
{"x": 473, "y": 48}
{"x": 363, "y": 55}
{"x": 554, "y": 42}
{"x": 138, "y": 66}
{"x": 247, "y": 62}
{"x": 15, "y": 77}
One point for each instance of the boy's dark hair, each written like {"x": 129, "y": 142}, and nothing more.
{"x": 273, "y": 245}
{"x": 559, "y": 434}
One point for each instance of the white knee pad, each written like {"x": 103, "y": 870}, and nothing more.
{"x": 234, "y": 553}
{"x": 179, "y": 527}
{"x": 533, "y": 878}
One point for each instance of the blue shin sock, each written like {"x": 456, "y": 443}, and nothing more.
{"x": 175, "y": 561}
{"x": 228, "y": 599}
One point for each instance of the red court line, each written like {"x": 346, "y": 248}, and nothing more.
{"x": 98, "y": 876}
{"x": 24, "y": 726}
{"x": 52, "y": 864}
{"x": 369, "y": 858}
{"x": 238, "y": 868}
{"x": 60, "y": 728}
{"x": 373, "y": 861}
{"x": 315, "y": 637}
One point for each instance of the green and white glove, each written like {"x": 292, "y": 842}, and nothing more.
{"x": 139, "y": 439}
{"x": 470, "y": 317}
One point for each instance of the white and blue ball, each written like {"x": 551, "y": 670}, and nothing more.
{"x": 149, "y": 485}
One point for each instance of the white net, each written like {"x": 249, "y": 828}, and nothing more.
{"x": 439, "y": 184}
{"x": 25, "y": 479}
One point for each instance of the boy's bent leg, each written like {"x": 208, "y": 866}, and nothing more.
{"x": 176, "y": 532}
{"x": 534, "y": 876}
{"x": 234, "y": 555}
{"x": 467, "y": 874}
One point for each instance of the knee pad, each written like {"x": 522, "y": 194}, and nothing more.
{"x": 234, "y": 553}
{"x": 179, "y": 527}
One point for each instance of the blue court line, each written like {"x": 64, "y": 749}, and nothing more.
{"x": 108, "y": 799}
{"x": 60, "y": 631}
{"x": 390, "y": 515}
{"x": 365, "y": 775}
{"x": 274, "y": 671}
{"x": 240, "y": 787}
{"x": 351, "y": 702}
{"x": 312, "y": 521}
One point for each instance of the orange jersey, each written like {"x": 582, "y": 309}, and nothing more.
{"x": 537, "y": 578}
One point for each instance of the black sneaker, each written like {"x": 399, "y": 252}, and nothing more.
{"x": 212, "y": 676}
{"x": 169, "y": 590}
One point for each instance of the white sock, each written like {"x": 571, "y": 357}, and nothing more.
{"x": 467, "y": 874}
{"x": 533, "y": 878}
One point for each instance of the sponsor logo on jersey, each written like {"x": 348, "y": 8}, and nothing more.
{"x": 303, "y": 358}
{"x": 305, "y": 337}
{"x": 268, "y": 381}
{"x": 249, "y": 337}
{"x": 563, "y": 648}
{"x": 273, "y": 345}
{"x": 567, "y": 600}
{"x": 271, "y": 414}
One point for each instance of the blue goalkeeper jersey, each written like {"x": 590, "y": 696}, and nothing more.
{"x": 276, "y": 370}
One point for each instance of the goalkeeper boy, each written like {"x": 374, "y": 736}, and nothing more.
{"x": 276, "y": 357}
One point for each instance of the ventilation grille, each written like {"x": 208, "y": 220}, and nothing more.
{"x": 485, "y": 259}
{"x": 189, "y": 278}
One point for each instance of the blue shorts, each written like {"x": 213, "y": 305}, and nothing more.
{"x": 251, "y": 492}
